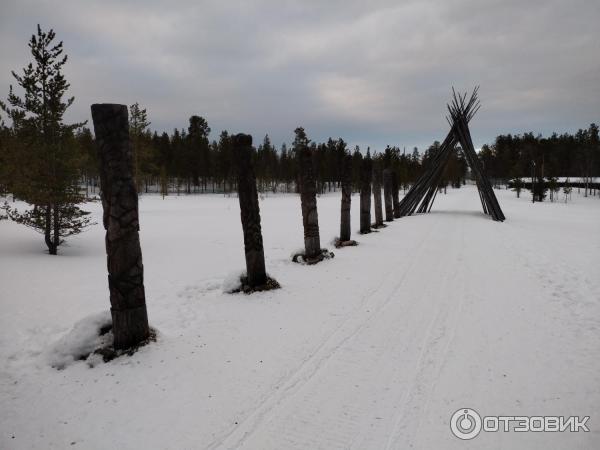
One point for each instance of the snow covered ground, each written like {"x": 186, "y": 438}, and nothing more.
{"x": 374, "y": 349}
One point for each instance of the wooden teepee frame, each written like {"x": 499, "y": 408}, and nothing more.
{"x": 422, "y": 194}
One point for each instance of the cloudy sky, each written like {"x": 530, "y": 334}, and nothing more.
{"x": 372, "y": 72}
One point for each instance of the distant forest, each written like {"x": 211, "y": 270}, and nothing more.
{"x": 186, "y": 161}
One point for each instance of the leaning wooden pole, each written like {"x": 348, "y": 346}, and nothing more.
{"x": 250, "y": 211}
{"x": 422, "y": 186}
{"x": 387, "y": 195}
{"x": 120, "y": 219}
{"x": 366, "y": 171}
{"x": 460, "y": 115}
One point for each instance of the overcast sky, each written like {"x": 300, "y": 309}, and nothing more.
{"x": 372, "y": 72}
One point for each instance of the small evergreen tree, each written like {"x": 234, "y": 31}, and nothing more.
{"x": 45, "y": 163}
{"x": 540, "y": 187}
{"x": 567, "y": 189}
{"x": 517, "y": 183}
{"x": 139, "y": 136}
{"x": 553, "y": 187}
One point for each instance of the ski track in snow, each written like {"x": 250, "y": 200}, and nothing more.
{"x": 310, "y": 367}
{"x": 349, "y": 358}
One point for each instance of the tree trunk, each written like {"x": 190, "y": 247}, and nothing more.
{"x": 366, "y": 169}
{"x": 395, "y": 199}
{"x": 56, "y": 224}
{"x": 346, "y": 198}
{"x": 120, "y": 204}
{"x": 387, "y": 195}
{"x": 52, "y": 249}
{"x": 250, "y": 211}
{"x": 377, "y": 195}
{"x": 308, "y": 198}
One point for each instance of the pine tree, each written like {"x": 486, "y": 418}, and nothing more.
{"x": 553, "y": 187}
{"x": 5, "y": 172}
{"x": 45, "y": 163}
{"x": 540, "y": 187}
{"x": 567, "y": 189}
{"x": 139, "y": 135}
{"x": 517, "y": 185}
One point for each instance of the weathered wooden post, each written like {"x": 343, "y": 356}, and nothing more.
{"x": 387, "y": 195}
{"x": 395, "y": 199}
{"x": 344, "y": 239}
{"x": 366, "y": 171}
{"x": 346, "y": 198}
{"x": 120, "y": 204}
{"x": 256, "y": 275}
{"x": 313, "y": 253}
{"x": 308, "y": 198}
{"x": 377, "y": 195}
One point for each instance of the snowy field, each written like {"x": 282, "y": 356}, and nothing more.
{"x": 374, "y": 349}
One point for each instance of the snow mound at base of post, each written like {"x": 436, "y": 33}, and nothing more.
{"x": 233, "y": 281}
{"x": 238, "y": 282}
{"x": 81, "y": 341}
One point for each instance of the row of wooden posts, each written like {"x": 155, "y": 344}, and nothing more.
{"x": 121, "y": 220}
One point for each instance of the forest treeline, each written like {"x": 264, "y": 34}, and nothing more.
{"x": 187, "y": 161}
{"x": 559, "y": 155}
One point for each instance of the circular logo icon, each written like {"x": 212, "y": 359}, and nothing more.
{"x": 465, "y": 423}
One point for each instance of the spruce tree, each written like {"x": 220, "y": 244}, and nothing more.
{"x": 518, "y": 184}
{"x": 553, "y": 187}
{"x": 45, "y": 162}
{"x": 138, "y": 130}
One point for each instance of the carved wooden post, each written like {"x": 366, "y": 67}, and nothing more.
{"x": 366, "y": 170}
{"x": 377, "y": 194}
{"x": 346, "y": 198}
{"x": 387, "y": 195}
{"x": 120, "y": 204}
{"x": 249, "y": 211}
{"x": 308, "y": 198}
{"x": 395, "y": 200}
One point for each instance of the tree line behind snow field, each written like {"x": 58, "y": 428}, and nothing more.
{"x": 186, "y": 161}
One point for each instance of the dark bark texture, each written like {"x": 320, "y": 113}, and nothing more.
{"x": 346, "y": 198}
{"x": 366, "y": 171}
{"x": 308, "y": 198}
{"x": 395, "y": 199}
{"x": 120, "y": 204}
{"x": 377, "y": 195}
{"x": 250, "y": 211}
{"x": 387, "y": 195}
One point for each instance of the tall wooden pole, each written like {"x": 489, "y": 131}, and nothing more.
{"x": 249, "y": 211}
{"x": 346, "y": 198}
{"x": 377, "y": 194}
{"x": 308, "y": 198}
{"x": 387, "y": 195}
{"x": 120, "y": 204}
{"x": 395, "y": 200}
{"x": 366, "y": 172}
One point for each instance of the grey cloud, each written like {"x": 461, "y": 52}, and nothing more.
{"x": 375, "y": 73}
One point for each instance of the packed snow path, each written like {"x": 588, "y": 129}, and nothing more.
{"x": 373, "y": 349}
